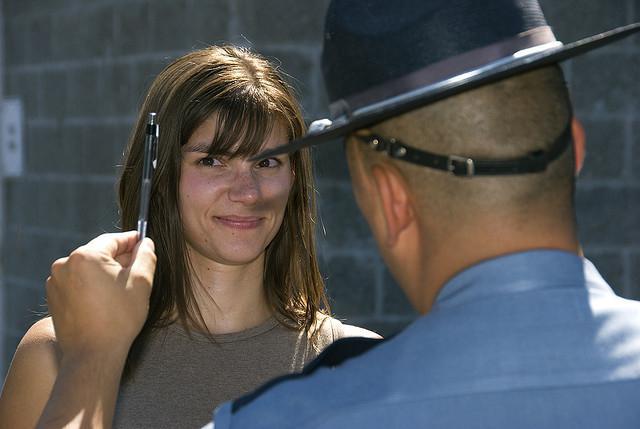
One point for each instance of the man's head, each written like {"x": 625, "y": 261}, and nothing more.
{"x": 432, "y": 215}
{"x": 507, "y": 119}
{"x": 444, "y": 88}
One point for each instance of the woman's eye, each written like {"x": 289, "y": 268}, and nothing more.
{"x": 209, "y": 162}
{"x": 269, "y": 163}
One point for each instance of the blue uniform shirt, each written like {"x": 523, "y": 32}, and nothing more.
{"x": 528, "y": 340}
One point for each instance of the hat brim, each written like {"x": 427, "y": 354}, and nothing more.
{"x": 489, "y": 73}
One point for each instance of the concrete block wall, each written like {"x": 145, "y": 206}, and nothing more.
{"x": 81, "y": 68}
{"x": 606, "y": 94}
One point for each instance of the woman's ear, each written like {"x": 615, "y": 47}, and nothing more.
{"x": 579, "y": 144}
{"x": 397, "y": 209}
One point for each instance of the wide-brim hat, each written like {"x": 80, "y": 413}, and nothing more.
{"x": 384, "y": 58}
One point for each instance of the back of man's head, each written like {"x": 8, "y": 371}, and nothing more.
{"x": 507, "y": 119}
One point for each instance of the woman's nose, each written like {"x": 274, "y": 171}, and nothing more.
{"x": 244, "y": 188}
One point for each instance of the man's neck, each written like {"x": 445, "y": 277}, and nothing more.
{"x": 451, "y": 253}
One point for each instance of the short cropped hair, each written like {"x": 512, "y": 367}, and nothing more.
{"x": 509, "y": 118}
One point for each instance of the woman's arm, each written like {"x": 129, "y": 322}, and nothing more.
{"x": 31, "y": 377}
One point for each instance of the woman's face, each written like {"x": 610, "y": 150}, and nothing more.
{"x": 231, "y": 208}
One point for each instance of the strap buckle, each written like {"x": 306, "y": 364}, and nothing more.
{"x": 392, "y": 147}
{"x": 461, "y": 166}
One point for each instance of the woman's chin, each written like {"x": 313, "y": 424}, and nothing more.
{"x": 231, "y": 257}
{"x": 237, "y": 260}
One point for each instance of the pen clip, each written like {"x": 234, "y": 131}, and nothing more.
{"x": 154, "y": 163}
{"x": 153, "y": 131}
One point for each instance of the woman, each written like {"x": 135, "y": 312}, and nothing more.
{"x": 237, "y": 296}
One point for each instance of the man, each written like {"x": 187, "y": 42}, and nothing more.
{"x": 459, "y": 144}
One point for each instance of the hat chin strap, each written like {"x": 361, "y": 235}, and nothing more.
{"x": 464, "y": 166}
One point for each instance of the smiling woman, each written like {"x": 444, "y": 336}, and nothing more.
{"x": 239, "y": 202}
{"x": 237, "y": 297}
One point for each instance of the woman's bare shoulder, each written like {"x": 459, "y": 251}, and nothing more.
{"x": 31, "y": 376}
{"x": 40, "y": 335}
{"x": 38, "y": 350}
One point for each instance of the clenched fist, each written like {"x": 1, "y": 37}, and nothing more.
{"x": 98, "y": 296}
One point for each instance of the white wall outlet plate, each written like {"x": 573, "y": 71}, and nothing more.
{"x": 11, "y": 137}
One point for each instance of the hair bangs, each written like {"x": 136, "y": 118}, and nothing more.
{"x": 243, "y": 126}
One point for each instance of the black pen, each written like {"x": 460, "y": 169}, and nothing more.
{"x": 152, "y": 134}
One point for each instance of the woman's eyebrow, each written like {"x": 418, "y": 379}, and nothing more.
{"x": 202, "y": 147}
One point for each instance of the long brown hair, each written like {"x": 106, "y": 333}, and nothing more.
{"x": 248, "y": 97}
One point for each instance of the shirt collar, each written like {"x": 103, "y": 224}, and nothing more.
{"x": 521, "y": 272}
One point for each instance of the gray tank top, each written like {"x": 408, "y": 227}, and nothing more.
{"x": 180, "y": 380}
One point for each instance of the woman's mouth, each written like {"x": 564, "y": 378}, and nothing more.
{"x": 239, "y": 222}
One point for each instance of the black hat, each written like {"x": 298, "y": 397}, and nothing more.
{"x": 383, "y": 58}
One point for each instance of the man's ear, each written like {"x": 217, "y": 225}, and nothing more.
{"x": 396, "y": 204}
{"x": 579, "y": 144}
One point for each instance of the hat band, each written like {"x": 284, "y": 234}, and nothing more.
{"x": 531, "y": 41}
